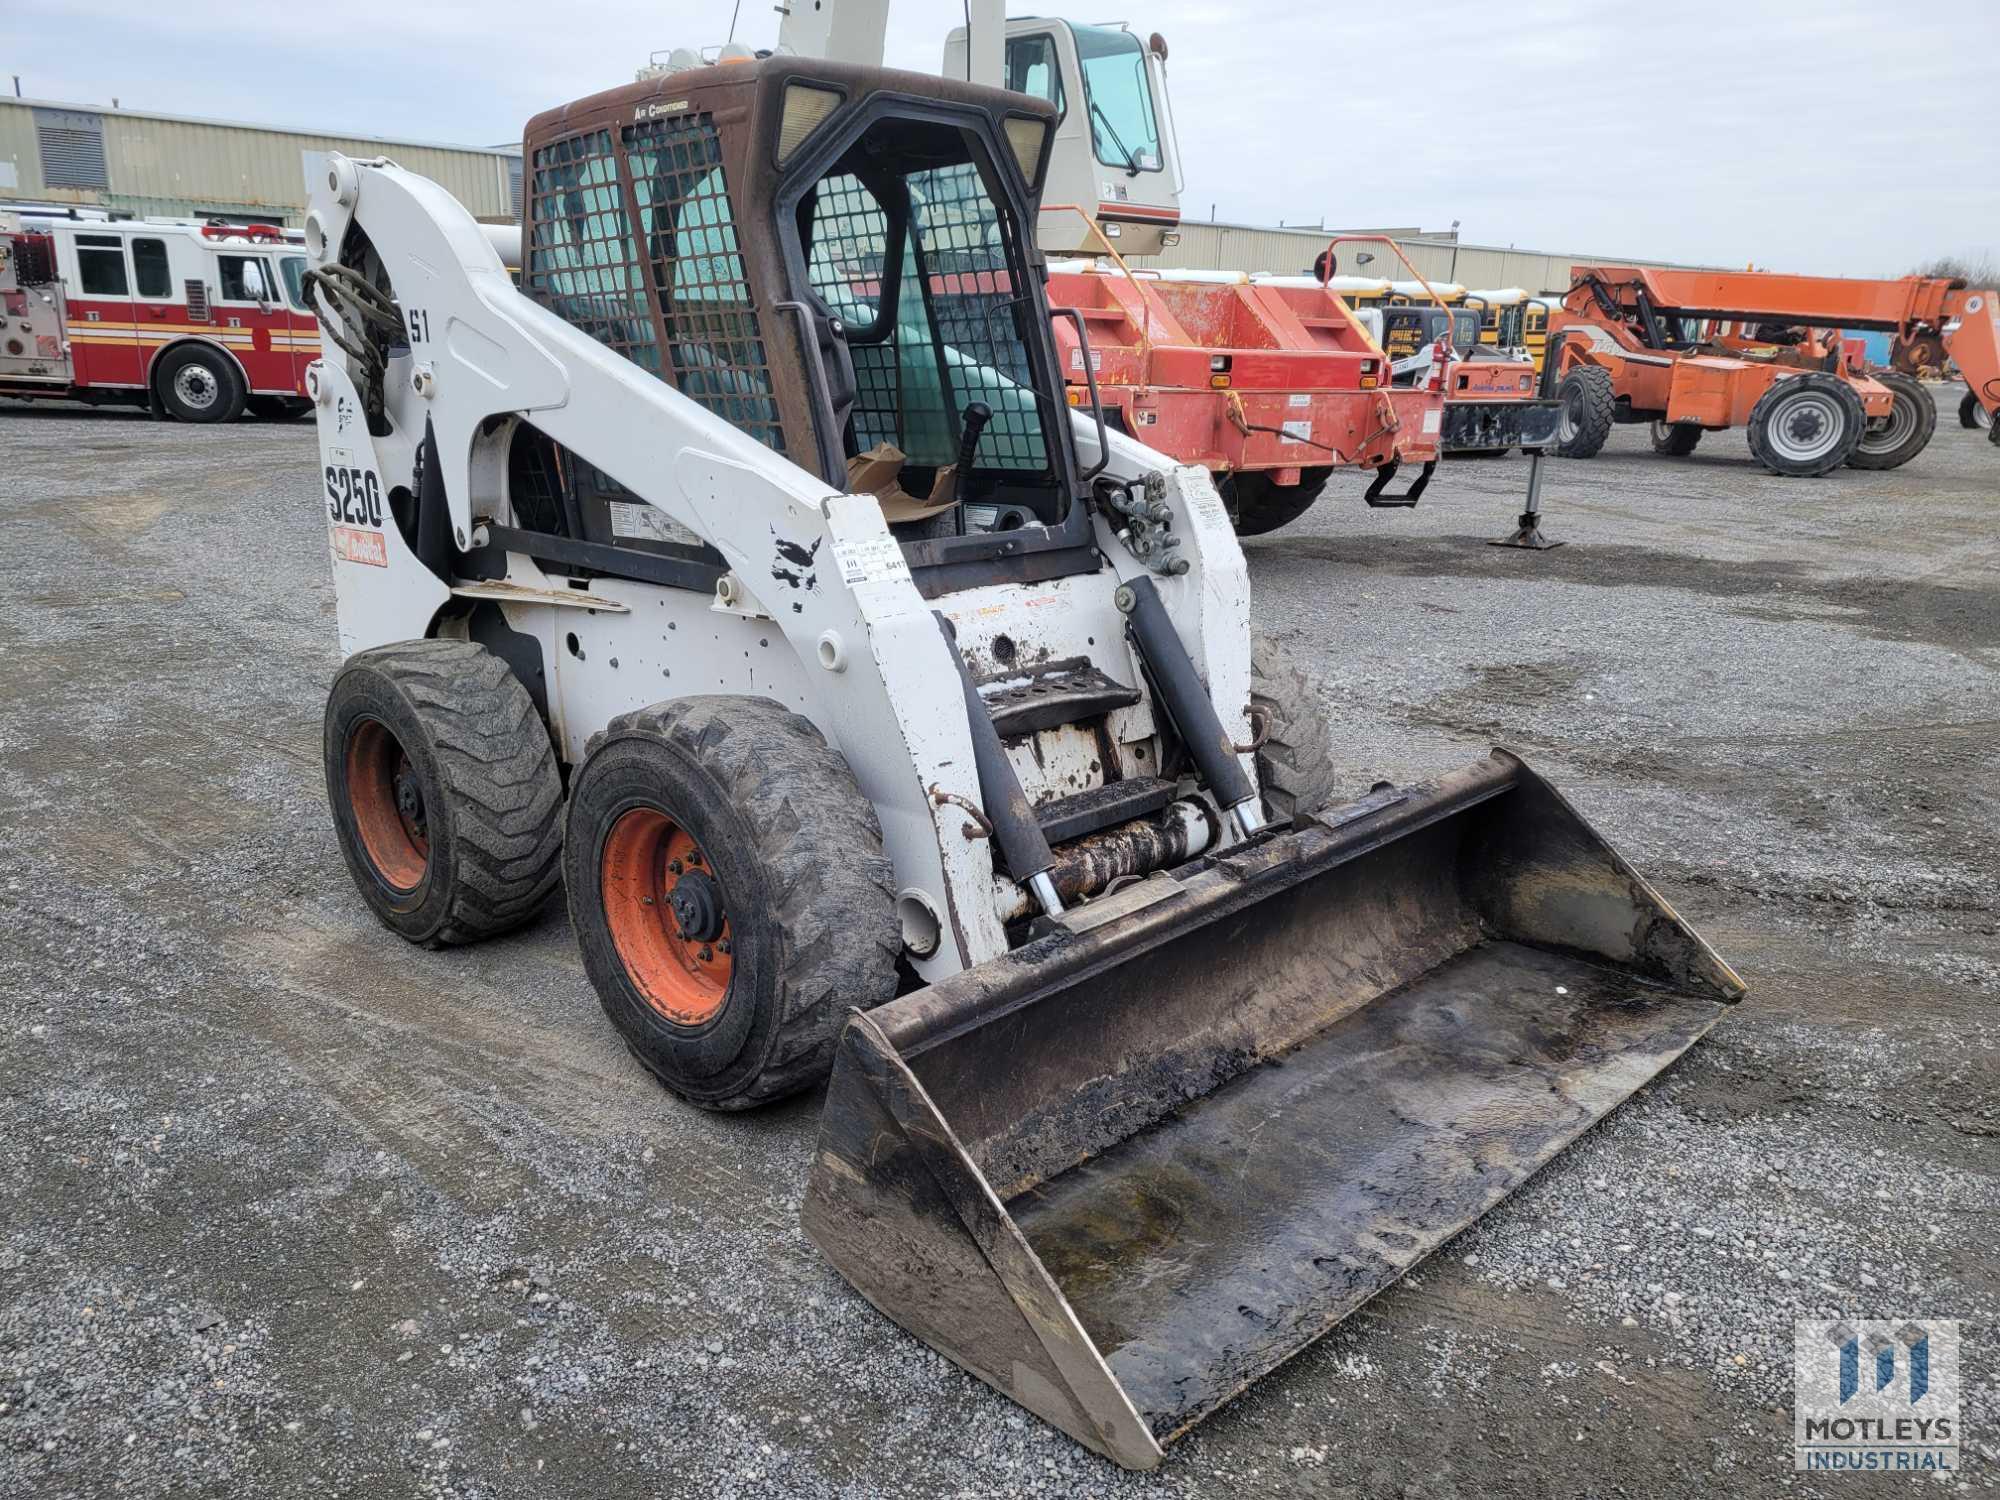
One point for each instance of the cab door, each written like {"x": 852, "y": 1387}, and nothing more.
{"x": 103, "y": 342}
{"x": 250, "y": 317}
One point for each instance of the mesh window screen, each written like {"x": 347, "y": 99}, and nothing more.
{"x": 955, "y": 318}
{"x": 713, "y": 340}
{"x": 974, "y": 304}
{"x": 582, "y": 262}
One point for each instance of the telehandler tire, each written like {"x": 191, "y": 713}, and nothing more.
{"x": 730, "y": 895}
{"x": 1588, "y": 406}
{"x": 1971, "y": 413}
{"x": 1256, "y": 505}
{"x": 444, "y": 789}
{"x": 1806, "y": 425}
{"x": 1294, "y": 763}
{"x": 1675, "y": 439}
{"x": 1912, "y": 422}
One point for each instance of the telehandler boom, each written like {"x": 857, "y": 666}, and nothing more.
{"x": 1151, "y": 1057}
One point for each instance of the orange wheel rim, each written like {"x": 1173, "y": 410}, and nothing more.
{"x": 664, "y": 906}
{"x": 388, "y": 801}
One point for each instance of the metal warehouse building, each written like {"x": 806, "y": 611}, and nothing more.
{"x": 1439, "y": 257}
{"x": 170, "y": 166}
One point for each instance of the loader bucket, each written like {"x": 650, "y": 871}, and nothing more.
{"x": 1136, "y": 1163}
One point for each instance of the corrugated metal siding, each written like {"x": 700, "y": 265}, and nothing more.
{"x": 202, "y": 168}
{"x": 1241, "y": 247}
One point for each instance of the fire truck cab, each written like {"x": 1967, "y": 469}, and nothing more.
{"x": 193, "y": 321}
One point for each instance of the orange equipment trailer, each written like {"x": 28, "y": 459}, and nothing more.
{"x": 1698, "y": 351}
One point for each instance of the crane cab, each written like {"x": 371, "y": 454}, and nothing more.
{"x": 1115, "y": 154}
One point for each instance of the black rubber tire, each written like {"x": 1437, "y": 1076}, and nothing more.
{"x": 277, "y": 408}
{"x": 1256, "y": 505}
{"x": 809, "y": 895}
{"x": 223, "y": 378}
{"x": 1675, "y": 439}
{"x": 1295, "y": 767}
{"x": 491, "y": 794}
{"x": 1807, "y": 399}
{"x": 1588, "y": 407}
{"x": 1971, "y": 413}
{"x": 1912, "y": 424}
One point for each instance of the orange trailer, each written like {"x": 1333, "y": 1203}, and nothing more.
{"x": 1698, "y": 351}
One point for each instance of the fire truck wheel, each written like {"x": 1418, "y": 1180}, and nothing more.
{"x": 1806, "y": 425}
{"x": 1587, "y": 409}
{"x": 1971, "y": 413}
{"x": 198, "y": 384}
{"x": 1912, "y": 420}
{"x": 1257, "y": 505}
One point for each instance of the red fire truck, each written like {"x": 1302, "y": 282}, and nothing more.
{"x": 194, "y": 321}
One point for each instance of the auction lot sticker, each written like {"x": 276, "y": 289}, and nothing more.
{"x": 1876, "y": 1396}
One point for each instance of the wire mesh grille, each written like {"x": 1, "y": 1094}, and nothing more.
{"x": 713, "y": 339}
{"x": 583, "y": 265}
{"x": 976, "y": 309}
{"x": 956, "y": 314}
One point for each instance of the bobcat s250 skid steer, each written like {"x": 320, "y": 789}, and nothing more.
{"x": 886, "y": 718}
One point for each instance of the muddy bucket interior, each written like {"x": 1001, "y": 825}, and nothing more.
{"x": 1130, "y": 1167}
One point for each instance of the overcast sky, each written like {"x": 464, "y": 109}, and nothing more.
{"x": 1840, "y": 137}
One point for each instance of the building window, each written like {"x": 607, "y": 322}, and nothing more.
{"x": 72, "y": 148}
{"x": 100, "y": 264}
{"x": 149, "y": 269}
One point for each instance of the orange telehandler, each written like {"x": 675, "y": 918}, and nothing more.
{"x": 1698, "y": 351}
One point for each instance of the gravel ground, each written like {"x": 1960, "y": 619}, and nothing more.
{"x": 289, "y": 1208}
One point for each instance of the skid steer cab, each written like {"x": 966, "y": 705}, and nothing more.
{"x": 746, "y": 572}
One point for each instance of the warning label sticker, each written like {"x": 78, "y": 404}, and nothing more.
{"x": 637, "y": 521}
{"x": 1298, "y": 432}
{"x": 875, "y": 560}
{"x": 352, "y": 544}
{"x": 1298, "y": 398}
{"x": 1433, "y": 421}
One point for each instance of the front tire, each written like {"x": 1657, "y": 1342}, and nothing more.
{"x": 1806, "y": 425}
{"x": 1295, "y": 767}
{"x": 200, "y": 384}
{"x": 1971, "y": 413}
{"x": 1588, "y": 406}
{"x": 1675, "y": 439}
{"x": 444, "y": 790}
{"x": 730, "y": 895}
{"x": 1912, "y": 421}
{"x": 1256, "y": 505}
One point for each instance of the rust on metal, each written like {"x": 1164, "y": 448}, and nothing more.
{"x": 1148, "y": 1156}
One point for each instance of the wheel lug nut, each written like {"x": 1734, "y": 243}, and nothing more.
{"x": 645, "y": 900}
{"x": 694, "y": 857}
{"x": 674, "y": 865}
{"x": 724, "y": 946}
{"x": 706, "y": 953}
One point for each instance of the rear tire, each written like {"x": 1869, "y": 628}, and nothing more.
{"x": 1971, "y": 413}
{"x": 1588, "y": 406}
{"x": 730, "y": 895}
{"x": 200, "y": 384}
{"x": 1256, "y": 505}
{"x": 444, "y": 790}
{"x": 1912, "y": 421}
{"x": 1295, "y": 763}
{"x": 1675, "y": 439}
{"x": 1806, "y": 425}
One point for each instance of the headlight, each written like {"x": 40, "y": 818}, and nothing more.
{"x": 806, "y": 107}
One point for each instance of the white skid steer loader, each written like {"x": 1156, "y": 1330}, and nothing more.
{"x": 883, "y": 717}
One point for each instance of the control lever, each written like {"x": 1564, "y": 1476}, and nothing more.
{"x": 973, "y": 422}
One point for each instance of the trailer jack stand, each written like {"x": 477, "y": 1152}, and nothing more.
{"x": 1528, "y": 530}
